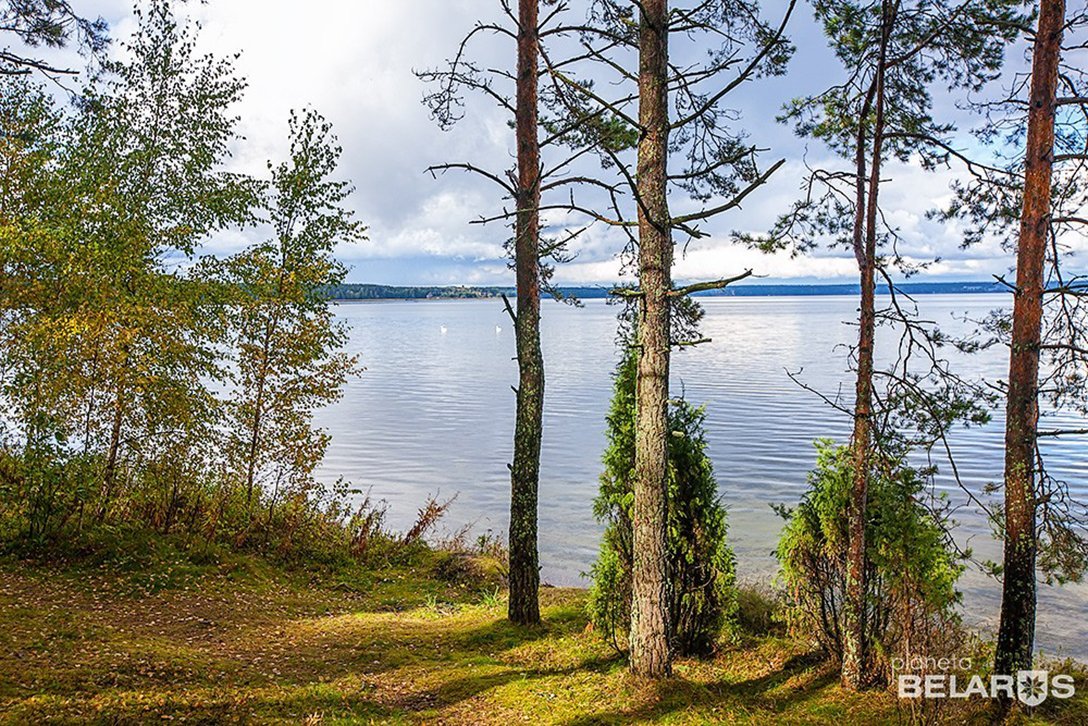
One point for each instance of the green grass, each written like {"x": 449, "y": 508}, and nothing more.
{"x": 232, "y": 638}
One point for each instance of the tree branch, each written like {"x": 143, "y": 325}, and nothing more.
{"x": 710, "y": 285}
{"x": 509, "y": 309}
{"x": 433, "y": 170}
{"x": 734, "y": 202}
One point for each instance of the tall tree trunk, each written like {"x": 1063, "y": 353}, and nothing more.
{"x": 649, "y": 641}
{"x": 855, "y": 627}
{"x": 524, "y": 607}
{"x": 1016, "y": 634}
{"x": 854, "y": 651}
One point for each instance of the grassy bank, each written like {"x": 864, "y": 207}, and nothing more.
{"x": 236, "y": 639}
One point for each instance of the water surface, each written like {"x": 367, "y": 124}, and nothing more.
{"x": 433, "y": 414}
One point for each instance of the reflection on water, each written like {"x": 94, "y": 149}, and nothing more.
{"x": 433, "y": 413}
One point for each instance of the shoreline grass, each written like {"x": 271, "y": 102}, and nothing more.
{"x": 239, "y": 639}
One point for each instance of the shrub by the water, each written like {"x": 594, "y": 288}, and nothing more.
{"x": 912, "y": 568}
{"x": 53, "y": 504}
{"x": 701, "y": 567}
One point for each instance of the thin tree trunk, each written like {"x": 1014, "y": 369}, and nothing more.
{"x": 270, "y": 330}
{"x": 113, "y": 453}
{"x": 90, "y": 404}
{"x": 1016, "y": 634}
{"x": 524, "y": 607}
{"x": 255, "y": 437}
{"x": 649, "y": 641}
{"x": 855, "y": 631}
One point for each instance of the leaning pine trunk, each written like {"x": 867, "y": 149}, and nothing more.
{"x": 525, "y": 472}
{"x": 855, "y": 666}
{"x": 649, "y": 604}
{"x": 1016, "y": 635}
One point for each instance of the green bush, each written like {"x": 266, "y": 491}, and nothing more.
{"x": 759, "y": 610}
{"x": 700, "y": 563}
{"x": 911, "y": 572}
{"x": 53, "y": 502}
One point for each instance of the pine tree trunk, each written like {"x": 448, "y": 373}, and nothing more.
{"x": 855, "y": 665}
{"x": 649, "y": 640}
{"x": 524, "y": 607}
{"x": 1016, "y": 634}
{"x": 854, "y": 608}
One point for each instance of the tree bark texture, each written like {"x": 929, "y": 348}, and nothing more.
{"x": 524, "y": 605}
{"x": 1016, "y": 633}
{"x": 855, "y": 663}
{"x": 649, "y": 637}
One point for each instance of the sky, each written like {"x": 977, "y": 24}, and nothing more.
{"x": 354, "y": 62}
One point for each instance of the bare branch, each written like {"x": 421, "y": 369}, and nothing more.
{"x": 433, "y": 170}
{"x": 509, "y": 309}
{"x": 734, "y": 202}
{"x": 711, "y": 285}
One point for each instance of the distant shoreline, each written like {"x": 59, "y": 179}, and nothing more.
{"x": 358, "y": 292}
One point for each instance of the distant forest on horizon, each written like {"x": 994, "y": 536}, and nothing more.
{"x": 369, "y": 291}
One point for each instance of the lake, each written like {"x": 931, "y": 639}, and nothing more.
{"x": 433, "y": 414}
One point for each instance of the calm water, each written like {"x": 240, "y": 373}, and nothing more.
{"x": 433, "y": 414}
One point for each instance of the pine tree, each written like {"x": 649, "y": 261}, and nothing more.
{"x": 699, "y": 562}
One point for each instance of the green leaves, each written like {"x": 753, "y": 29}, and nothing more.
{"x": 701, "y": 564}
{"x": 130, "y": 367}
{"x": 284, "y": 341}
{"x": 913, "y": 570}
{"x": 158, "y": 126}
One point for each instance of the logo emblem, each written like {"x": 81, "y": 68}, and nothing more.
{"x": 1032, "y": 687}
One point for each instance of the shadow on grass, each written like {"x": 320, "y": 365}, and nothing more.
{"x": 311, "y": 665}
{"x": 451, "y": 693}
{"x": 755, "y": 694}
{"x": 365, "y": 643}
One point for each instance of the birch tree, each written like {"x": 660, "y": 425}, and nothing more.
{"x": 154, "y": 132}
{"x": 286, "y": 343}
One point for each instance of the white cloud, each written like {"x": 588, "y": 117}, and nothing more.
{"x": 353, "y": 60}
